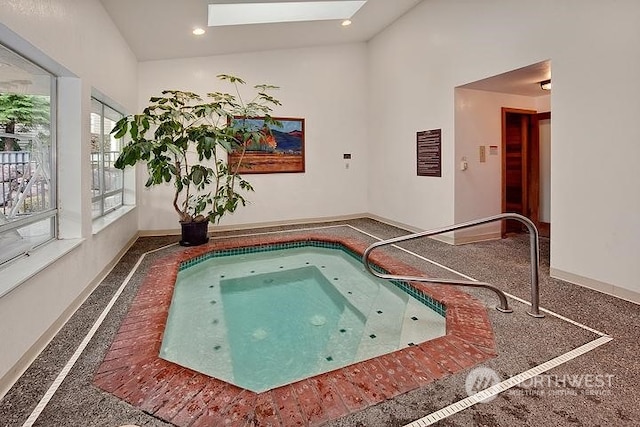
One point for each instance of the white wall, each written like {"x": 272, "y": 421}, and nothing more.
{"x": 441, "y": 44}
{"x": 403, "y": 101}
{"x": 323, "y": 85}
{"x": 75, "y": 39}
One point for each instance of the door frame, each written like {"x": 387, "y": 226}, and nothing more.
{"x": 531, "y": 165}
{"x": 544, "y": 228}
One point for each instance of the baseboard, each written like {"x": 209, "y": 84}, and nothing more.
{"x": 444, "y": 238}
{"x": 257, "y": 225}
{"x": 596, "y": 285}
{"x": 393, "y": 223}
{"x": 448, "y": 238}
{"x": 475, "y": 238}
{"x": 156, "y": 233}
{"x": 454, "y": 240}
{"x": 16, "y": 371}
{"x": 451, "y": 238}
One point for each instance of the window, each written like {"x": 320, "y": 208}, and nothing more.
{"x": 107, "y": 189}
{"x": 27, "y": 143}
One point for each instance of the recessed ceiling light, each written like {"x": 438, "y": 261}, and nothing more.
{"x": 346, "y": 22}
{"x": 292, "y": 11}
{"x": 198, "y": 31}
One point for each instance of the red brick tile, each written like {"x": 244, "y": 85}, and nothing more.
{"x": 139, "y": 325}
{"x": 481, "y": 335}
{"x": 119, "y": 353}
{"x": 183, "y": 387}
{"x": 201, "y": 402}
{"x": 470, "y": 351}
{"x": 145, "y": 377}
{"x": 427, "y": 363}
{"x": 330, "y": 398}
{"x": 287, "y": 406}
{"x": 110, "y": 381}
{"x": 133, "y": 337}
{"x": 150, "y": 314}
{"x": 266, "y": 413}
{"x": 381, "y": 378}
{"x": 124, "y": 362}
{"x": 418, "y": 373}
{"x": 163, "y": 393}
{"x": 233, "y": 408}
{"x": 364, "y": 383}
{"x": 439, "y": 352}
{"x": 148, "y": 383}
{"x": 350, "y": 394}
{"x": 135, "y": 318}
{"x": 486, "y": 345}
{"x": 133, "y": 360}
{"x": 444, "y": 346}
{"x": 242, "y": 411}
{"x": 133, "y": 349}
{"x": 402, "y": 379}
{"x": 309, "y": 401}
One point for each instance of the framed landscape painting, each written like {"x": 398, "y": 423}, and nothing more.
{"x": 279, "y": 150}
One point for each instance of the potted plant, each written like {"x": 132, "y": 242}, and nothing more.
{"x": 182, "y": 137}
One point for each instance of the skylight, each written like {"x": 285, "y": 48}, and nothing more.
{"x": 263, "y": 13}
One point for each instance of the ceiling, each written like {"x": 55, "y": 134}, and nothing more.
{"x": 523, "y": 81}
{"x": 161, "y": 29}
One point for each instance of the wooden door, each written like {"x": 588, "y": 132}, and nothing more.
{"x": 520, "y": 166}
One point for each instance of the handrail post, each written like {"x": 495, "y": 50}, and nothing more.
{"x": 535, "y": 265}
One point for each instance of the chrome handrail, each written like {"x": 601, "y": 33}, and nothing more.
{"x": 504, "y": 305}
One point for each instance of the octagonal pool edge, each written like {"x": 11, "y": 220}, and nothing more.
{"x": 133, "y": 371}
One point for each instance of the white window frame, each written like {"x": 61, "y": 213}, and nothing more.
{"x": 7, "y": 228}
{"x": 103, "y": 161}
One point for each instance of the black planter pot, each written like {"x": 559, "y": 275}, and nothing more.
{"x": 194, "y": 233}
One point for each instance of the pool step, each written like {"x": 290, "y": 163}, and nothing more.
{"x": 384, "y": 323}
{"x": 384, "y": 311}
{"x": 344, "y": 341}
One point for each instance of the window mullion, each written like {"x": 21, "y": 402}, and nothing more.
{"x": 102, "y": 177}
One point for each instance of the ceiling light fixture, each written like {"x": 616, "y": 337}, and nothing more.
{"x": 198, "y": 31}
{"x": 545, "y": 85}
{"x": 346, "y": 22}
{"x": 290, "y": 11}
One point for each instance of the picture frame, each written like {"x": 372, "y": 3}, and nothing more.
{"x": 281, "y": 150}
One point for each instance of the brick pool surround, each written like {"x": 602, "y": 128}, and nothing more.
{"x": 132, "y": 370}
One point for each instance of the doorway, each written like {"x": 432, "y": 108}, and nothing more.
{"x": 520, "y": 167}
{"x": 481, "y": 189}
